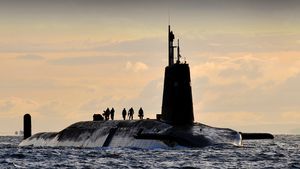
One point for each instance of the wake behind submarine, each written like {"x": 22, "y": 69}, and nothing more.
{"x": 174, "y": 127}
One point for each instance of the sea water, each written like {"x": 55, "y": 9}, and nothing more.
{"x": 282, "y": 152}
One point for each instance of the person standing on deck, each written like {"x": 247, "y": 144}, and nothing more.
{"x": 124, "y": 113}
{"x": 106, "y": 114}
{"x": 130, "y": 113}
{"x": 141, "y": 113}
{"x": 112, "y": 113}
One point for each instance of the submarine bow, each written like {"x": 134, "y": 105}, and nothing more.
{"x": 176, "y": 126}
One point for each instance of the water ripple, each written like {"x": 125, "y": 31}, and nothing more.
{"x": 282, "y": 152}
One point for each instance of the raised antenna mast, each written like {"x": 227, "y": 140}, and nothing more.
{"x": 171, "y": 47}
{"x": 178, "y": 52}
{"x": 169, "y": 16}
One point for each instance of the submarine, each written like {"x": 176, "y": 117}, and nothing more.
{"x": 174, "y": 127}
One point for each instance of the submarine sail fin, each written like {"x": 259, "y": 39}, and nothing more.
{"x": 177, "y": 104}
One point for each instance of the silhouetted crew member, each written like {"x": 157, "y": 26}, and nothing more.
{"x": 112, "y": 113}
{"x": 130, "y": 113}
{"x": 106, "y": 114}
{"x": 141, "y": 113}
{"x": 124, "y": 113}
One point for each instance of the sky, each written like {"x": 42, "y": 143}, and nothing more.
{"x": 63, "y": 61}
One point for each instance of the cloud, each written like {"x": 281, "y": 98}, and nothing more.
{"x": 267, "y": 83}
{"x": 51, "y": 108}
{"x": 96, "y": 105}
{"x": 30, "y": 57}
{"x": 16, "y": 106}
{"x": 246, "y": 66}
{"x": 136, "y": 66}
{"x": 93, "y": 60}
{"x": 29, "y": 85}
{"x": 225, "y": 42}
{"x": 144, "y": 45}
{"x": 6, "y": 105}
{"x": 150, "y": 98}
{"x": 248, "y": 108}
{"x": 79, "y": 60}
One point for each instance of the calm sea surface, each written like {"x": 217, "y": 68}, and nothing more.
{"x": 282, "y": 152}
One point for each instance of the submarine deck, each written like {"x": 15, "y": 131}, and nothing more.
{"x": 134, "y": 133}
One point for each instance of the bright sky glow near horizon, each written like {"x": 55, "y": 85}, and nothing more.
{"x": 63, "y": 61}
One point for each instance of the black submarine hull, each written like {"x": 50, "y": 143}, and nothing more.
{"x": 134, "y": 133}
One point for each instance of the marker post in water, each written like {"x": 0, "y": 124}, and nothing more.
{"x": 27, "y": 126}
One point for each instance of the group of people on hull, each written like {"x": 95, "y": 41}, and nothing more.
{"x": 111, "y": 113}
{"x": 131, "y": 112}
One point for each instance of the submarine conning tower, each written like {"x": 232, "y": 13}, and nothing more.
{"x": 177, "y": 104}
